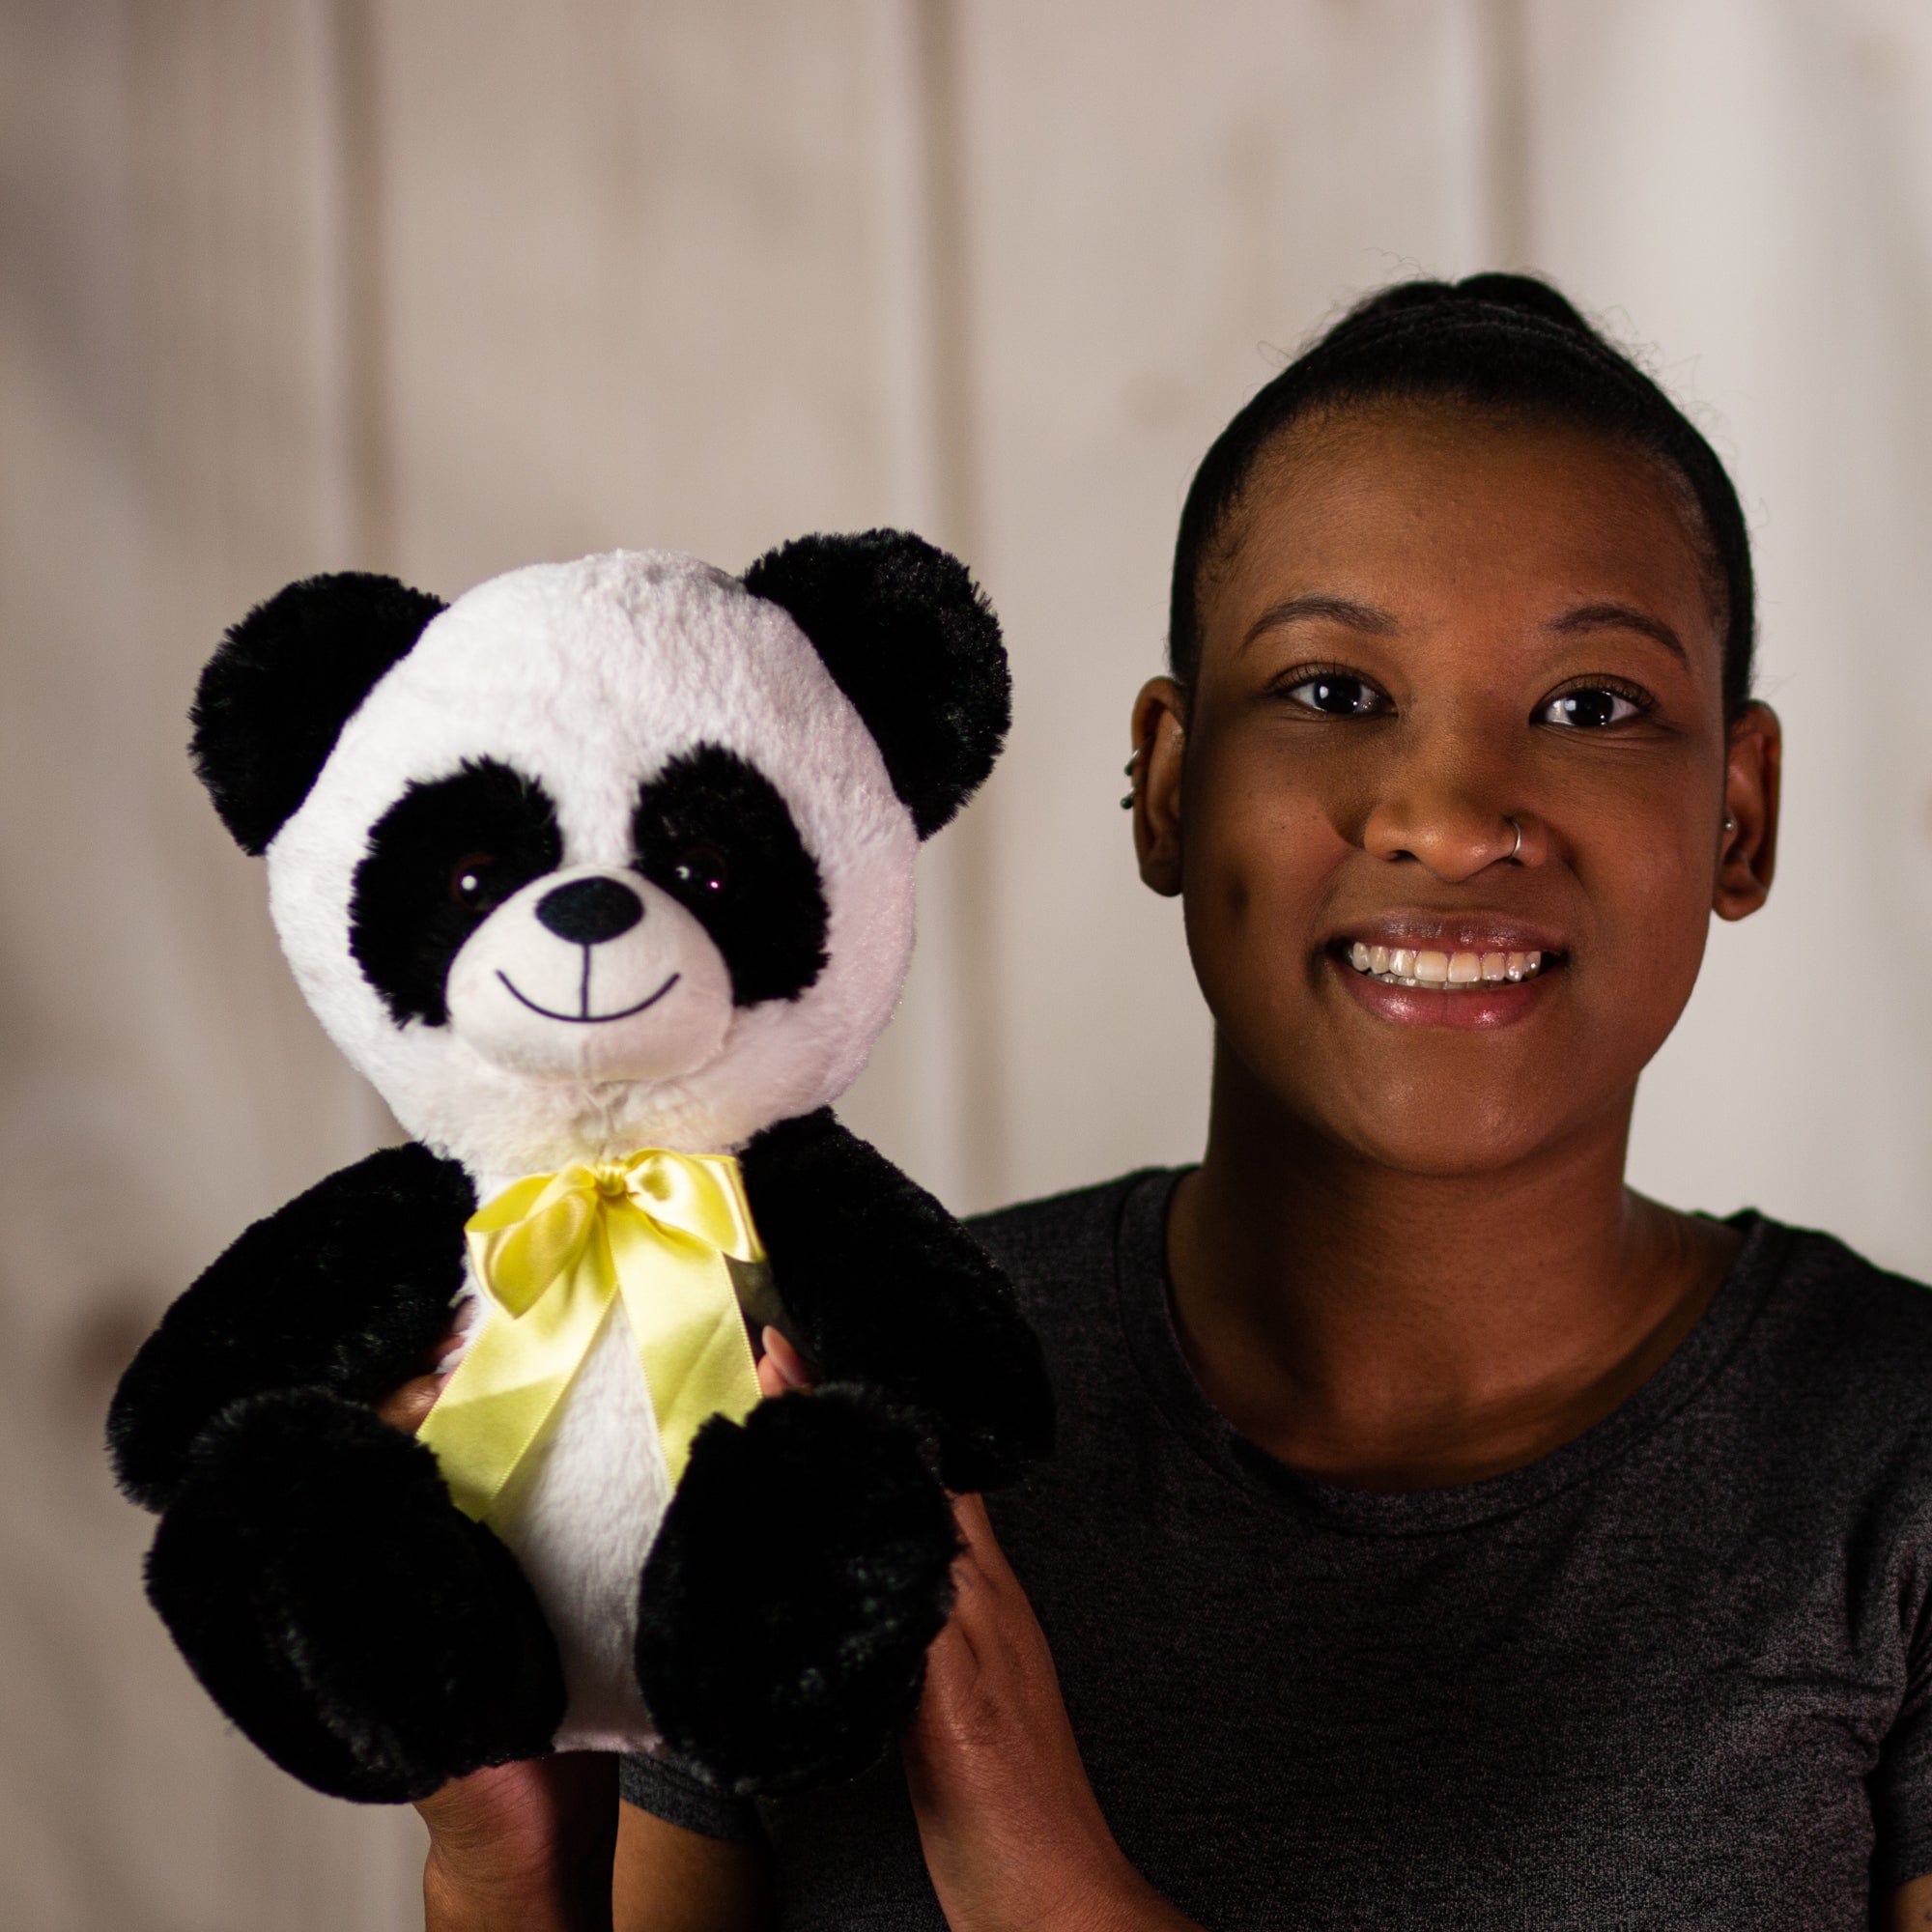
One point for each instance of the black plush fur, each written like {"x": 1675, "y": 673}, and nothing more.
{"x": 348, "y": 1288}
{"x": 413, "y": 905}
{"x": 275, "y": 695}
{"x": 713, "y": 831}
{"x": 799, "y": 1575}
{"x": 375, "y": 1642}
{"x": 910, "y": 639}
{"x": 362, "y": 1631}
{"x": 886, "y": 1288}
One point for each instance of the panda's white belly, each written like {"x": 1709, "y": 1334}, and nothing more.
{"x": 581, "y": 1512}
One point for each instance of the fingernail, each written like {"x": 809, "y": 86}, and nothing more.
{"x": 784, "y": 1357}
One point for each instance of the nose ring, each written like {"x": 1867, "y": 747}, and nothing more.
{"x": 1514, "y": 826}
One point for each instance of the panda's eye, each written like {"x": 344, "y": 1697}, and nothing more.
{"x": 471, "y": 881}
{"x": 702, "y": 868}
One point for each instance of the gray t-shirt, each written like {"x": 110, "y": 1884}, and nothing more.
{"x": 1676, "y": 1674}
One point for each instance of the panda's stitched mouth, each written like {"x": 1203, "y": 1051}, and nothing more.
{"x": 587, "y": 1019}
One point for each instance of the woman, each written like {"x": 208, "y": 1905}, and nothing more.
{"x": 1439, "y": 1532}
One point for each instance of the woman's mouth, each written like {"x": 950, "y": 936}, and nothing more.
{"x": 1479, "y": 972}
{"x": 1442, "y": 971}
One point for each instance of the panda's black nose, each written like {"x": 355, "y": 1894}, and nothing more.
{"x": 590, "y": 910}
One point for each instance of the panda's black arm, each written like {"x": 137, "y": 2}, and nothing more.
{"x": 347, "y": 1288}
{"x": 885, "y": 1287}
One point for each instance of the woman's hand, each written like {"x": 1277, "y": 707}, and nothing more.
{"x": 522, "y": 1847}
{"x": 1013, "y": 1837}
{"x": 525, "y": 1846}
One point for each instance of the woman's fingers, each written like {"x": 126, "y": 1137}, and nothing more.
{"x": 1006, "y": 1819}
{"x": 982, "y": 1556}
{"x": 969, "y": 1511}
{"x": 405, "y": 1408}
{"x": 781, "y": 1367}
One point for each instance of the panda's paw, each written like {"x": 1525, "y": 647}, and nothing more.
{"x": 363, "y": 1633}
{"x": 800, "y": 1573}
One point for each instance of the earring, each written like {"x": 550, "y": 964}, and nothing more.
{"x": 1730, "y": 823}
{"x": 1132, "y": 770}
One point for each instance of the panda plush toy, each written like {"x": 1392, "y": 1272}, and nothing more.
{"x": 603, "y": 875}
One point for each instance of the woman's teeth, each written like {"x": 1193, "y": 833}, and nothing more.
{"x": 1407, "y": 966}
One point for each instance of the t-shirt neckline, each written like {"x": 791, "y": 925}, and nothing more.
{"x": 1147, "y": 1319}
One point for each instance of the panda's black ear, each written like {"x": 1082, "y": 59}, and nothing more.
{"x": 911, "y": 641}
{"x": 274, "y": 697}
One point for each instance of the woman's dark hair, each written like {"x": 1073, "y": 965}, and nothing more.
{"x": 1507, "y": 343}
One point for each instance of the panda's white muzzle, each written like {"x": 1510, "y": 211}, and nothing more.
{"x": 591, "y": 972}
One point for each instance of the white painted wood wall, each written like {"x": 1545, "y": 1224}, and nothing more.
{"x": 442, "y": 286}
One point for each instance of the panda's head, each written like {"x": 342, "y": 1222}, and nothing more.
{"x": 605, "y": 854}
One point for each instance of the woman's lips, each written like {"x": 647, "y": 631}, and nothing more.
{"x": 1417, "y": 986}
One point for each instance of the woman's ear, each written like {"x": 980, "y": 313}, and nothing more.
{"x": 1748, "y": 857}
{"x": 1161, "y": 729}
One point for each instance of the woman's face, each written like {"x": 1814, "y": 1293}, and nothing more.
{"x": 1425, "y": 627}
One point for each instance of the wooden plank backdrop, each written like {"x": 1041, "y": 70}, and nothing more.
{"x": 289, "y": 285}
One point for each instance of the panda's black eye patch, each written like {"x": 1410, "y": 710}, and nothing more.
{"x": 440, "y": 861}
{"x": 712, "y": 831}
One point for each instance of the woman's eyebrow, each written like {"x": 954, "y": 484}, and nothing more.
{"x": 1337, "y": 610}
{"x": 1620, "y": 618}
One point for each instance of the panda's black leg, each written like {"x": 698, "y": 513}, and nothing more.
{"x": 362, "y": 1631}
{"x": 800, "y": 1573}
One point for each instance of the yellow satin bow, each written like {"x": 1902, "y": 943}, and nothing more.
{"x": 555, "y": 1252}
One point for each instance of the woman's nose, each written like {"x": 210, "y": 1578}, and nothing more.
{"x": 1454, "y": 823}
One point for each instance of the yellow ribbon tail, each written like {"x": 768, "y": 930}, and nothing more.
{"x": 479, "y": 1435}
{"x": 696, "y": 1357}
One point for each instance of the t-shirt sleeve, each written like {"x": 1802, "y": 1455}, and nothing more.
{"x": 1900, "y": 1784}
{"x": 680, "y": 1798}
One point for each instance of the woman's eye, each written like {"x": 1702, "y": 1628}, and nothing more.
{"x": 1336, "y": 695}
{"x": 1589, "y": 710}
{"x": 702, "y": 868}
{"x": 471, "y": 880}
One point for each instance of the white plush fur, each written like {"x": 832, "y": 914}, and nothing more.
{"x": 589, "y": 677}
{"x": 581, "y": 1512}
{"x": 648, "y": 1004}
